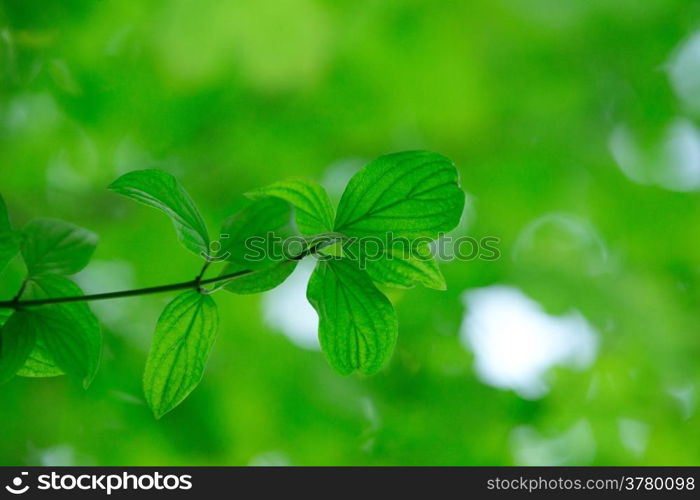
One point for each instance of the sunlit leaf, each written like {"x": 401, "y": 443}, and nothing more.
{"x": 314, "y": 211}
{"x": 55, "y": 246}
{"x": 183, "y": 338}
{"x": 411, "y": 194}
{"x": 357, "y": 323}
{"x": 161, "y": 190}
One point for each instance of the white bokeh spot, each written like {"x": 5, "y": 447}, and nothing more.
{"x": 516, "y": 342}
{"x": 286, "y": 309}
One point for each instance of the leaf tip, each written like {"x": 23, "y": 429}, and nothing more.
{"x": 440, "y": 286}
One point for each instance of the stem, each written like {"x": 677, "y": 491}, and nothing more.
{"x": 16, "y": 298}
{"x": 198, "y": 279}
{"x": 195, "y": 284}
{"x": 204, "y": 269}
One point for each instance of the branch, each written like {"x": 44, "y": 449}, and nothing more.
{"x": 195, "y": 284}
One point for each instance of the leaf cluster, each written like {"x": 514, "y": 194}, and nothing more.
{"x": 413, "y": 195}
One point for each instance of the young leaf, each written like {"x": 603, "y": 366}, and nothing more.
{"x": 184, "y": 336}
{"x": 314, "y": 211}
{"x": 161, "y": 190}
{"x": 69, "y": 338}
{"x": 17, "y": 338}
{"x": 357, "y": 323}
{"x": 55, "y": 246}
{"x": 261, "y": 280}
{"x": 412, "y": 194}
{"x": 8, "y": 239}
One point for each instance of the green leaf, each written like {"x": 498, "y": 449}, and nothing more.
{"x": 251, "y": 232}
{"x": 161, "y": 190}
{"x": 55, "y": 246}
{"x": 184, "y": 336}
{"x": 17, "y": 339}
{"x": 4, "y": 315}
{"x": 411, "y": 194}
{"x": 69, "y": 338}
{"x": 260, "y": 280}
{"x": 40, "y": 363}
{"x": 314, "y": 211}
{"x": 251, "y": 244}
{"x": 357, "y": 323}
{"x": 8, "y": 239}
{"x": 406, "y": 268}
{"x": 5, "y": 225}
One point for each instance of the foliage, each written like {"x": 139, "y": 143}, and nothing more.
{"x": 184, "y": 336}
{"x": 161, "y": 190}
{"x": 415, "y": 192}
{"x": 556, "y": 115}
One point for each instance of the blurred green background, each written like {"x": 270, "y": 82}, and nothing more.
{"x": 574, "y": 125}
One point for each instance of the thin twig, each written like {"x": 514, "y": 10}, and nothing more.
{"x": 195, "y": 284}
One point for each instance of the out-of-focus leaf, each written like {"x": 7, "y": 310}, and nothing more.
{"x": 357, "y": 323}
{"x": 314, "y": 211}
{"x": 69, "y": 338}
{"x": 55, "y": 246}
{"x": 411, "y": 194}
{"x": 17, "y": 338}
{"x": 183, "y": 339}
{"x": 8, "y": 238}
{"x": 161, "y": 190}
